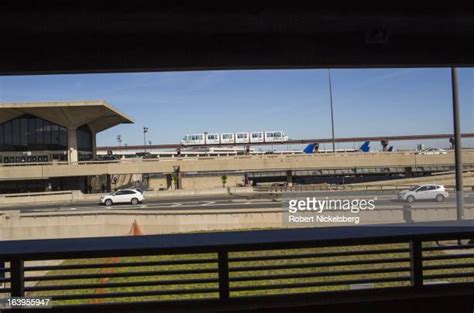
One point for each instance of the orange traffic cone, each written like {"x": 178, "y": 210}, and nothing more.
{"x": 135, "y": 229}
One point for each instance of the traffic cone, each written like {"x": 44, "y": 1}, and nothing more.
{"x": 135, "y": 229}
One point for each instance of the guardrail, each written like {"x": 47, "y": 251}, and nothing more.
{"x": 233, "y": 270}
{"x": 358, "y": 188}
{"x": 303, "y": 188}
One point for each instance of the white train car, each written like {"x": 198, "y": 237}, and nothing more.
{"x": 230, "y": 138}
{"x": 275, "y": 136}
{"x": 212, "y": 139}
{"x": 227, "y": 138}
{"x": 193, "y": 139}
{"x": 256, "y": 137}
{"x": 242, "y": 137}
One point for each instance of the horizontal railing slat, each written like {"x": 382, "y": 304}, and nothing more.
{"x": 320, "y": 284}
{"x": 136, "y": 294}
{"x": 124, "y": 284}
{"x": 447, "y": 257}
{"x": 48, "y": 249}
{"x": 456, "y": 247}
{"x": 445, "y": 266}
{"x": 127, "y": 274}
{"x": 319, "y": 274}
{"x": 449, "y": 275}
{"x": 318, "y": 264}
{"x": 316, "y": 255}
{"x": 123, "y": 264}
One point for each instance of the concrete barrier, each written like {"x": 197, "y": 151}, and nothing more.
{"x": 16, "y": 226}
{"x": 77, "y": 195}
{"x": 199, "y": 192}
{"x": 40, "y": 197}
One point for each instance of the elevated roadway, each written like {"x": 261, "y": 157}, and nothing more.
{"x": 235, "y": 163}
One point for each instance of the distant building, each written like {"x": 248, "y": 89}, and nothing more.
{"x": 53, "y": 131}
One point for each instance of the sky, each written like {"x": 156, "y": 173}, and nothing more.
{"x": 367, "y": 102}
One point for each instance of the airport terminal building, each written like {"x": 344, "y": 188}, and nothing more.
{"x": 38, "y": 132}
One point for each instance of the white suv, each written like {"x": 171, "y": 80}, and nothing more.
{"x": 431, "y": 151}
{"x": 424, "y": 192}
{"x": 132, "y": 196}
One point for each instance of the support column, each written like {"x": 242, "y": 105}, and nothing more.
{"x": 94, "y": 145}
{"x": 177, "y": 177}
{"x": 384, "y": 144}
{"x": 180, "y": 180}
{"x": 289, "y": 178}
{"x": 73, "y": 155}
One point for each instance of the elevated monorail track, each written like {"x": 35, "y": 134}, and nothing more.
{"x": 292, "y": 142}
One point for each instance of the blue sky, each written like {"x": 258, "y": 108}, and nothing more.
{"x": 366, "y": 101}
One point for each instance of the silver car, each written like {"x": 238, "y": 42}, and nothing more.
{"x": 424, "y": 192}
{"x": 432, "y": 151}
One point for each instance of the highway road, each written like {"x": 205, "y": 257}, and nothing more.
{"x": 259, "y": 201}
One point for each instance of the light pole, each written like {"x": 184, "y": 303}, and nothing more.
{"x": 119, "y": 140}
{"x": 457, "y": 145}
{"x": 332, "y": 111}
{"x": 145, "y": 130}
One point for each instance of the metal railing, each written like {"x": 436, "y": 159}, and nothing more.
{"x": 390, "y": 189}
{"x": 235, "y": 268}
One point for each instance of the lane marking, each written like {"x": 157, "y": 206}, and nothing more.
{"x": 207, "y": 203}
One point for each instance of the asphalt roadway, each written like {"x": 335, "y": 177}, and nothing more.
{"x": 256, "y": 201}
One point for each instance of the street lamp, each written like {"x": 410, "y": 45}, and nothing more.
{"x": 457, "y": 145}
{"x": 119, "y": 140}
{"x": 332, "y": 112}
{"x": 145, "y": 130}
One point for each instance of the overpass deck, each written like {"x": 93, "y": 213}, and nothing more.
{"x": 235, "y": 163}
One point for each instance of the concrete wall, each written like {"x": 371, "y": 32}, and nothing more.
{"x": 44, "y": 197}
{"x": 211, "y": 181}
{"x": 14, "y": 226}
{"x": 157, "y": 183}
{"x": 76, "y": 195}
{"x": 198, "y": 192}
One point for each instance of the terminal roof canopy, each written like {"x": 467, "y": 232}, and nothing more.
{"x": 98, "y": 115}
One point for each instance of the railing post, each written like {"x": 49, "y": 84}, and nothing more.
{"x": 223, "y": 275}
{"x": 416, "y": 263}
{"x": 17, "y": 278}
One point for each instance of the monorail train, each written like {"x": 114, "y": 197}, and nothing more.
{"x": 230, "y": 138}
